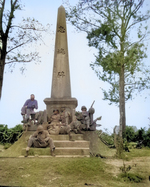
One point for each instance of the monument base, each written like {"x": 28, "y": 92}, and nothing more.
{"x": 57, "y": 104}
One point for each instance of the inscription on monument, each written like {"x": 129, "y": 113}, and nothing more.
{"x": 61, "y": 74}
{"x": 61, "y": 29}
{"x": 61, "y": 51}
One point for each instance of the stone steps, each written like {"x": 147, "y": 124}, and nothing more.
{"x": 58, "y": 151}
{"x": 64, "y": 147}
{"x": 66, "y": 137}
{"x": 77, "y": 143}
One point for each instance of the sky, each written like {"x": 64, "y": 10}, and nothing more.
{"x": 85, "y": 85}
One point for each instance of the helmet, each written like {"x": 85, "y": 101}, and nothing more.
{"x": 40, "y": 128}
{"x": 83, "y": 107}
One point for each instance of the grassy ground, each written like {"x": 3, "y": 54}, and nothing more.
{"x": 75, "y": 172}
{"x": 57, "y": 172}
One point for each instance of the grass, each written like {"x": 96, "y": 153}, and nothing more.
{"x": 57, "y": 172}
{"x": 73, "y": 172}
{"x": 144, "y": 152}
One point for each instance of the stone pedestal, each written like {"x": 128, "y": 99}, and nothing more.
{"x": 52, "y": 104}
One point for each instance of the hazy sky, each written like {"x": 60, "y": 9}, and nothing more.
{"x": 84, "y": 82}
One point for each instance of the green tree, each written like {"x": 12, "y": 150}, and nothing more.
{"x": 110, "y": 26}
{"x": 14, "y": 37}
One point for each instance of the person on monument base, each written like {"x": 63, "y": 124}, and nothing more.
{"x": 41, "y": 139}
{"x": 28, "y": 108}
{"x": 54, "y": 123}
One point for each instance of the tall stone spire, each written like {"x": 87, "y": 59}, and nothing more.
{"x": 61, "y": 76}
{"x": 61, "y": 88}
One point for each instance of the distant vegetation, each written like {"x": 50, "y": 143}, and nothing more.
{"x": 133, "y": 137}
{"x": 9, "y": 136}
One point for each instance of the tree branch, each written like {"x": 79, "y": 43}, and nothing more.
{"x": 17, "y": 46}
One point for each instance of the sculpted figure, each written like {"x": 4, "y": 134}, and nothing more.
{"x": 65, "y": 116}
{"x": 39, "y": 117}
{"x": 41, "y": 139}
{"x": 54, "y": 123}
{"x": 75, "y": 126}
{"x": 86, "y": 118}
{"x": 27, "y": 110}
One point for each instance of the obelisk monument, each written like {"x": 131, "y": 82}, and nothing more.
{"x": 61, "y": 88}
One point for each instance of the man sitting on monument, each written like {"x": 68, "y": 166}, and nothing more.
{"x": 54, "y": 123}
{"x": 41, "y": 139}
{"x": 28, "y": 108}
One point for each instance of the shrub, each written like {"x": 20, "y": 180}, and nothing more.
{"x": 132, "y": 177}
{"x": 10, "y": 135}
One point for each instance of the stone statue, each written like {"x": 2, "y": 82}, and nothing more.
{"x": 86, "y": 118}
{"x": 41, "y": 139}
{"x": 54, "y": 123}
{"x": 75, "y": 126}
{"x": 65, "y": 116}
{"x": 39, "y": 118}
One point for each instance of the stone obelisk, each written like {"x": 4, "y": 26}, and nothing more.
{"x": 61, "y": 88}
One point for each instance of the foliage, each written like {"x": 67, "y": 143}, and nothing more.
{"x": 109, "y": 26}
{"x": 130, "y": 134}
{"x": 10, "y": 135}
{"x": 107, "y": 137}
{"x": 132, "y": 177}
{"x": 141, "y": 135}
{"x": 119, "y": 62}
{"x": 14, "y": 37}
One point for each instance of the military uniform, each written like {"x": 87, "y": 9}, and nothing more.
{"x": 41, "y": 139}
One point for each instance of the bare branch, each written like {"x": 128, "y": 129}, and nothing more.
{"x": 17, "y": 46}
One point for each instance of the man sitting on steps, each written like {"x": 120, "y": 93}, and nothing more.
{"x": 41, "y": 139}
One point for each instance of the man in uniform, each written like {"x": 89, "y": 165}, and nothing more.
{"x": 41, "y": 139}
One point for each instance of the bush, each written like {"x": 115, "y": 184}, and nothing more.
{"x": 10, "y": 135}
{"x": 141, "y": 136}
{"x": 130, "y": 134}
{"x": 131, "y": 177}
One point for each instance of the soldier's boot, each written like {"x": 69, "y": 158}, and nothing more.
{"x": 53, "y": 152}
{"x": 27, "y": 151}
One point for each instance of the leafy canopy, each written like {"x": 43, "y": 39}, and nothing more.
{"x": 117, "y": 30}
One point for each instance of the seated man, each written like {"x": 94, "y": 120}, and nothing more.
{"x": 28, "y": 108}
{"x": 41, "y": 139}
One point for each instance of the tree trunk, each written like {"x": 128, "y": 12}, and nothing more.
{"x": 1, "y": 76}
{"x": 122, "y": 102}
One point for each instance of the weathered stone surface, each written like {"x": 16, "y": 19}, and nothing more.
{"x": 76, "y": 143}
{"x": 61, "y": 88}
